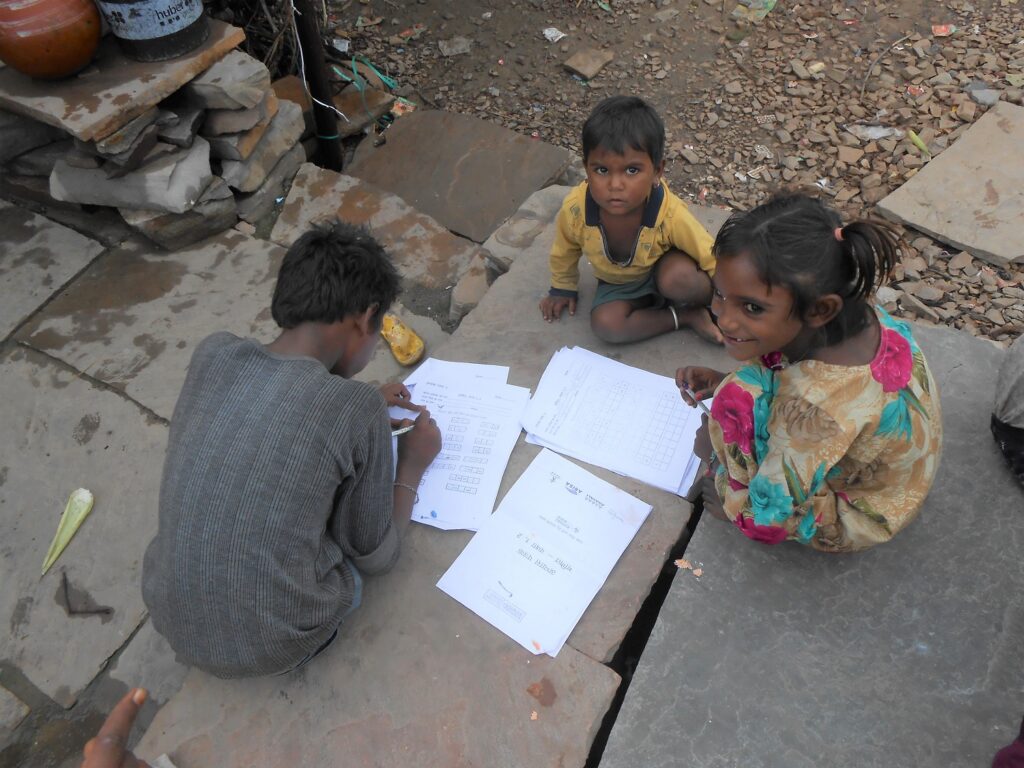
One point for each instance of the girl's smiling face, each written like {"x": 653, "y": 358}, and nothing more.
{"x": 755, "y": 318}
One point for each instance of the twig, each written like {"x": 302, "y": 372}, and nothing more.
{"x": 270, "y": 17}
{"x": 874, "y": 64}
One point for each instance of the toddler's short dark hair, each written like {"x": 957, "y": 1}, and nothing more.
{"x": 334, "y": 270}
{"x": 625, "y": 121}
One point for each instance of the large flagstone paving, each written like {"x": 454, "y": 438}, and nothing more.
{"x": 475, "y": 175}
{"x": 62, "y": 433}
{"x": 426, "y": 254}
{"x": 414, "y": 678}
{"x": 134, "y": 318}
{"x": 908, "y": 654}
{"x": 38, "y": 258}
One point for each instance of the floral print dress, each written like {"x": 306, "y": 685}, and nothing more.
{"x": 836, "y": 457}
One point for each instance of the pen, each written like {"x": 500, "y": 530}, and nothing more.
{"x": 403, "y": 430}
{"x": 700, "y": 403}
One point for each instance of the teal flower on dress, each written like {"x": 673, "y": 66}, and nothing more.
{"x": 807, "y": 528}
{"x": 762, "y": 414}
{"x": 769, "y": 501}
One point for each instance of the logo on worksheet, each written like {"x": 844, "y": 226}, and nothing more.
{"x": 574, "y": 490}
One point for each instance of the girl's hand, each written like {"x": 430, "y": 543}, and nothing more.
{"x": 702, "y": 382}
{"x": 397, "y": 394}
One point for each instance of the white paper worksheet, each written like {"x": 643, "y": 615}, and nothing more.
{"x": 479, "y": 422}
{"x": 539, "y": 560}
{"x": 616, "y": 416}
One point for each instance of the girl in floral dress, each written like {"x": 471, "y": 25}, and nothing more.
{"x": 830, "y": 433}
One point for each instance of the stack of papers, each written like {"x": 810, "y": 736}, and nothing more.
{"x": 615, "y": 416}
{"x": 479, "y": 417}
{"x": 539, "y": 560}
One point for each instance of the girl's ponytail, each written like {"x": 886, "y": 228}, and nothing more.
{"x": 872, "y": 249}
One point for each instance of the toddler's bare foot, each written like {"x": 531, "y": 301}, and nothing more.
{"x": 699, "y": 320}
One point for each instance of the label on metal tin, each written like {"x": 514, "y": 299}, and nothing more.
{"x": 149, "y": 19}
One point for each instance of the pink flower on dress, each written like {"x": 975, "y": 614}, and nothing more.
{"x": 772, "y": 361}
{"x": 894, "y": 362}
{"x": 735, "y": 485}
{"x": 766, "y": 534}
{"x": 733, "y": 409}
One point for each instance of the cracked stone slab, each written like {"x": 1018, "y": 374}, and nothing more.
{"x": 532, "y": 227}
{"x": 133, "y": 319}
{"x": 413, "y": 679}
{"x": 907, "y": 654}
{"x": 39, "y": 257}
{"x": 113, "y": 89}
{"x": 64, "y": 433}
{"x": 970, "y": 196}
{"x": 424, "y": 252}
{"x": 474, "y": 176}
{"x": 506, "y": 328}
{"x": 12, "y": 711}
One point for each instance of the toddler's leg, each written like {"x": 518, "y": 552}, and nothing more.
{"x": 687, "y": 286}
{"x": 622, "y": 321}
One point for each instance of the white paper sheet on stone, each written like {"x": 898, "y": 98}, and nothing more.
{"x": 539, "y": 560}
{"x": 615, "y": 416}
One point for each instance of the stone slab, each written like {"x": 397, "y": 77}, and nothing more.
{"x": 39, "y": 161}
{"x": 114, "y": 89}
{"x": 234, "y": 81}
{"x": 972, "y": 195}
{"x": 588, "y": 62}
{"x": 12, "y": 711}
{"x": 214, "y": 211}
{"x": 133, "y": 319}
{"x": 39, "y": 257}
{"x": 33, "y": 193}
{"x": 63, "y": 433}
{"x": 532, "y": 227}
{"x": 221, "y": 121}
{"x": 284, "y": 132}
{"x": 18, "y": 134}
{"x": 425, "y": 253}
{"x": 474, "y": 176}
{"x": 413, "y": 679}
{"x": 506, "y": 328}
{"x": 254, "y": 206}
{"x": 907, "y": 654}
{"x": 148, "y": 662}
{"x": 171, "y": 183}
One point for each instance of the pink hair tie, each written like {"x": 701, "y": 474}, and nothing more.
{"x": 839, "y": 234}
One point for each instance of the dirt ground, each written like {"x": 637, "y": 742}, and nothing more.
{"x": 749, "y": 106}
{"x": 512, "y": 75}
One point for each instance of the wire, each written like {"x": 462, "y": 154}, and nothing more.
{"x": 302, "y": 66}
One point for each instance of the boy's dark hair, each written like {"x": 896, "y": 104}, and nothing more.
{"x": 335, "y": 269}
{"x": 792, "y": 240}
{"x": 625, "y": 121}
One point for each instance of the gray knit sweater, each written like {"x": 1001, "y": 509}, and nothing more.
{"x": 277, "y": 482}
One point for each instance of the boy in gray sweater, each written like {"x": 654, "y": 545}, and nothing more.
{"x": 279, "y": 489}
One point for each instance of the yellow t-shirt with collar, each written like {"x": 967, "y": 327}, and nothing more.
{"x": 667, "y": 223}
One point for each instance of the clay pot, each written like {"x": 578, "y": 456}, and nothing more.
{"x": 48, "y": 39}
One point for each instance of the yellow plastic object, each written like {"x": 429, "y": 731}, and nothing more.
{"x": 405, "y": 344}
{"x": 75, "y": 511}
